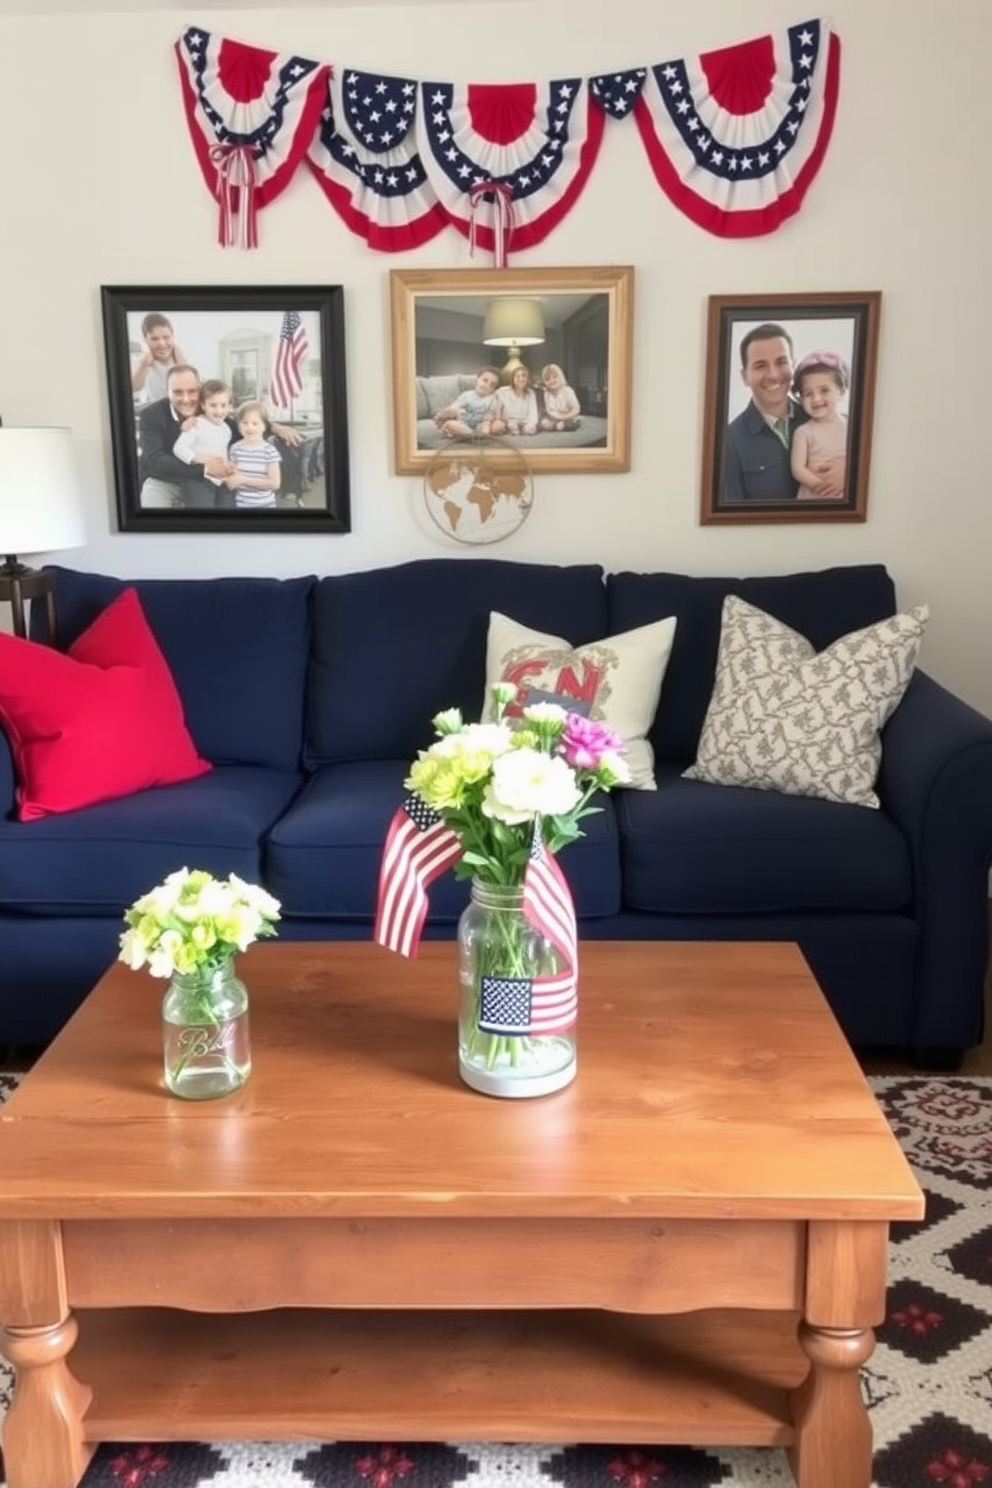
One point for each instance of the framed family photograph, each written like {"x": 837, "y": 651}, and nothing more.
{"x": 790, "y": 391}
{"x": 536, "y": 358}
{"x": 228, "y": 408}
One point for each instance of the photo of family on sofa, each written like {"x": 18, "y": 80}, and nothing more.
{"x": 540, "y": 408}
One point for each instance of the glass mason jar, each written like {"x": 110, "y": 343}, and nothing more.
{"x": 501, "y": 1048}
{"x": 205, "y": 1032}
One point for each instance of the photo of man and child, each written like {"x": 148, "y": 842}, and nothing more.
{"x": 213, "y": 443}
{"x": 790, "y": 441}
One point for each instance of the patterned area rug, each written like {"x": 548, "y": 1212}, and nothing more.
{"x": 928, "y": 1384}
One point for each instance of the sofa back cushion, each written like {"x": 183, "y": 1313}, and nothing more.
{"x": 822, "y": 605}
{"x": 236, "y": 647}
{"x": 393, "y": 646}
{"x": 435, "y": 393}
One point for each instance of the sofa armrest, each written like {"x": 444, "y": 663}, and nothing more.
{"x": 7, "y": 780}
{"x": 936, "y": 783}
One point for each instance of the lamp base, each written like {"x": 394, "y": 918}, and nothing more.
{"x": 512, "y": 363}
{"x": 19, "y": 583}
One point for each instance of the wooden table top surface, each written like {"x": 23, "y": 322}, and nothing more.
{"x": 713, "y": 1082}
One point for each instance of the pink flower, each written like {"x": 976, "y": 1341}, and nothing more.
{"x": 584, "y": 742}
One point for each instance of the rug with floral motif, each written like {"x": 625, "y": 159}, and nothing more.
{"x": 928, "y": 1384}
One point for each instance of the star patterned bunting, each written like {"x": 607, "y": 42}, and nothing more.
{"x": 734, "y": 137}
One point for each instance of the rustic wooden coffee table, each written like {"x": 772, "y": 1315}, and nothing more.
{"x": 686, "y": 1245}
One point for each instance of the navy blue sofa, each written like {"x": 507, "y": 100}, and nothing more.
{"x": 312, "y": 695}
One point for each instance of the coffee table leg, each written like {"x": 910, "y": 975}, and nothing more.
{"x": 43, "y": 1444}
{"x": 833, "y": 1433}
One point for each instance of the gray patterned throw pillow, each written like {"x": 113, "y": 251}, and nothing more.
{"x": 788, "y": 718}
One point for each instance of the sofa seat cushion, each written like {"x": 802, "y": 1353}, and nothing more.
{"x": 322, "y": 857}
{"x": 691, "y": 847}
{"x": 237, "y": 648}
{"x": 394, "y": 646}
{"x": 98, "y": 860}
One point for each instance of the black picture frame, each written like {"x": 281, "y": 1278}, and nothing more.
{"x": 738, "y": 475}
{"x": 232, "y": 334}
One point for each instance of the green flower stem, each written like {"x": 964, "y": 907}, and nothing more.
{"x": 507, "y": 949}
{"x": 200, "y": 1010}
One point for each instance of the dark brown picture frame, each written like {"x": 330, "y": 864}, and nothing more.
{"x": 746, "y": 476}
{"x": 234, "y": 334}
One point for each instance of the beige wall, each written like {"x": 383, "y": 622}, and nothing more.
{"x": 99, "y": 186}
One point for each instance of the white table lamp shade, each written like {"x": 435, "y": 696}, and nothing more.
{"x": 39, "y": 495}
{"x": 513, "y": 322}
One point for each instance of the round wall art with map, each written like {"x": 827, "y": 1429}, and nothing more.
{"x": 478, "y": 490}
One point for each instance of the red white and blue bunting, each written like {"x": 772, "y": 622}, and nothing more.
{"x": 508, "y": 161}
{"x": 251, "y": 115}
{"x": 734, "y": 138}
{"x": 366, "y": 159}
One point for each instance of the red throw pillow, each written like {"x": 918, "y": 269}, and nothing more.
{"x": 101, "y": 720}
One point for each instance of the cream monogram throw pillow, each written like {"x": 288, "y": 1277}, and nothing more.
{"x": 788, "y": 718}
{"x": 616, "y": 681}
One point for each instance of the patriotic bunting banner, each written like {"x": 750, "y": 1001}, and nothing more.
{"x": 251, "y": 115}
{"x": 366, "y": 160}
{"x": 734, "y": 137}
{"x": 531, "y": 145}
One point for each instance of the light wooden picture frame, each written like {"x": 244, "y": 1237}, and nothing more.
{"x": 577, "y": 320}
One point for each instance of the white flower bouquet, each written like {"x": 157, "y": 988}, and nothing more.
{"x": 493, "y": 783}
{"x": 194, "y": 922}
{"x": 495, "y": 801}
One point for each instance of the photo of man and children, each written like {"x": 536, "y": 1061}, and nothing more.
{"x": 202, "y": 445}
{"x": 219, "y": 409}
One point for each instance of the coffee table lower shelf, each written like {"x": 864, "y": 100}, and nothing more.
{"x": 703, "y": 1379}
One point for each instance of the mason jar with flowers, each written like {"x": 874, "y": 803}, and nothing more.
{"x": 189, "y": 929}
{"x": 496, "y": 802}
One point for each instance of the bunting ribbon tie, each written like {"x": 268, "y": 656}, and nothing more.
{"x": 235, "y": 166}
{"x": 502, "y": 198}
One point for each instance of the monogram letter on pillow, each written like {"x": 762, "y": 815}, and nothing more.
{"x": 616, "y": 681}
{"x": 788, "y": 718}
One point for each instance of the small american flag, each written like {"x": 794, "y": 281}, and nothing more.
{"x": 519, "y": 1005}
{"x": 287, "y": 383}
{"x": 546, "y": 1004}
{"x": 419, "y": 847}
{"x": 548, "y": 900}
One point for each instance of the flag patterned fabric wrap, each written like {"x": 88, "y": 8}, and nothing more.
{"x": 366, "y": 160}
{"x": 536, "y": 141}
{"x": 287, "y": 383}
{"x": 548, "y": 1004}
{"x": 735, "y": 137}
{"x": 419, "y": 847}
{"x": 251, "y": 115}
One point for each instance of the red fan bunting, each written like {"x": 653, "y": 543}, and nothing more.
{"x": 734, "y": 137}
{"x": 251, "y": 116}
{"x": 520, "y": 153}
